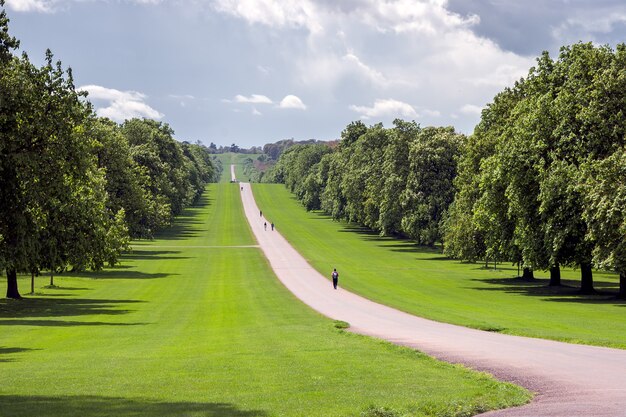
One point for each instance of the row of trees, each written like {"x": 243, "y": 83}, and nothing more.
{"x": 541, "y": 180}
{"x": 74, "y": 187}
{"x": 540, "y": 183}
{"x": 395, "y": 181}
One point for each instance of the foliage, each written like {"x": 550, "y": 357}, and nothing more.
{"x": 393, "y": 181}
{"x": 521, "y": 189}
{"x": 74, "y": 186}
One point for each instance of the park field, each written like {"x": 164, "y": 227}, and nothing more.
{"x": 230, "y": 158}
{"x": 423, "y": 282}
{"x": 194, "y": 323}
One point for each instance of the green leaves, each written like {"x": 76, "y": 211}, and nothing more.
{"x": 74, "y": 186}
{"x": 397, "y": 180}
{"x": 540, "y": 175}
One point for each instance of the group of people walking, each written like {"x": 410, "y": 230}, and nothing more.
{"x": 265, "y": 223}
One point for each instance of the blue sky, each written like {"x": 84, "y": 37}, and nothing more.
{"x": 252, "y": 72}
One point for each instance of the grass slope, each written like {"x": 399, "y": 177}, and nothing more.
{"x": 423, "y": 282}
{"x": 195, "y": 324}
{"x": 237, "y": 159}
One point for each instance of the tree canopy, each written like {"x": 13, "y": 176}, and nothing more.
{"x": 75, "y": 187}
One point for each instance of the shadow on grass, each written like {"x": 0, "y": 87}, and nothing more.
{"x": 397, "y": 243}
{"x": 186, "y": 225}
{"x": 9, "y": 351}
{"x": 62, "y": 323}
{"x": 96, "y": 406}
{"x": 153, "y": 255}
{"x": 63, "y": 288}
{"x": 116, "y": 274}
{"x": 29, "y": 307}
{"x": 606, "y": 292}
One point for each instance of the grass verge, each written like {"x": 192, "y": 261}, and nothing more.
{"x": 194, "y": 323}
{"x": 422, "y": 281}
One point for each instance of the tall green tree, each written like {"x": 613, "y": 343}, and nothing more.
{"x": 429, "y": 187}
{"x": 48, "y": 167}
{"x": 395, "y": 171}
{"x": 604, "y": 189}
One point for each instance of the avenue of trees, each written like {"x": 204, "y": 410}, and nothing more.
{"x": 541, "y": 182}
{"x": 394, "y": 181}
{"x": 74, "y": 187}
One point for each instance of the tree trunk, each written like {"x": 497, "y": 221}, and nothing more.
{"x": 586, "y": 278}
{"x": 12, "y": 291}
{"x": 555, "y": 276}
{"x": 622, "y": 285}
{"x": 51, "y": 278}
{"x": 528, "y": 274}
{"x": 32, "y": 283}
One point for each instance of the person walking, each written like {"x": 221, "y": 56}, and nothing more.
{"x": 261, "y": 213}
{"x": 265, "y": 225}
{"x": 272, "y": 226}
{"x": 335, "y": 276}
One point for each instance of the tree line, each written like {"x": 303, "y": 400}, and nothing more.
{"x": 394, "y": 181}
{"x": 540, "y": 183}
{"x": 74, "y": 187}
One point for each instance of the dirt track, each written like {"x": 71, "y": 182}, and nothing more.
{"x": 569, "y": 380}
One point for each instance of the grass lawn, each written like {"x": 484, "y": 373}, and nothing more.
{"x": 234, "y": 158}
{"x": 195, "y": 324}
{"x": 423, "y": 282}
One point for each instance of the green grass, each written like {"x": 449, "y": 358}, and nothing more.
{"x": 192, "y": 325}
{"x": 423, "y": 282}
{"x": 237, "y": 159}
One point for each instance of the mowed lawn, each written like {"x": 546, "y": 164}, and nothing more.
{"x": 237, "y": 159}
{"x": 195, "y": 324}
{"x": 423, "y": 282}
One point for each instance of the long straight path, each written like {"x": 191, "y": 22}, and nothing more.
{"x": 569, "y": 380}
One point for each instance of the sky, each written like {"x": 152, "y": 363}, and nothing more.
{"x": 252, "y": 72}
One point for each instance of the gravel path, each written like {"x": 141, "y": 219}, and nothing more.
{"x": 569, "y": 380}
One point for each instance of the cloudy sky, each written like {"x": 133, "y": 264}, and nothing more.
{"x": 252, "y": 72}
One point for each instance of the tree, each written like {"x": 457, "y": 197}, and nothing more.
{"x": 333, "y": 198}
{"x": 48, "y": 170}
{"x": 362, "y": 180}
{"x": 429, "y": 186}
{"x": 395, "y": 170}
{"x": 123, "y": 175}
{"x": 605, "y": 212}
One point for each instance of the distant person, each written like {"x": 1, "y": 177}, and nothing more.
{"x": 242, "y": 188}
{"x": 335, "y": 276}
{"x": 272, "y": 226}
{"x": 265, "y": 225}
{"x": 261, "y": 213}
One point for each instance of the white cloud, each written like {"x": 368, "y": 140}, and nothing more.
{"x": 292, "y": 102}
{"x": 50, "y": 6}
{"x": 254, "y": 98}
{"x": 44, "y": 6}
{"x": 431, "y": 113}
{"x": 365, "y": 49}
{"x": 366, "y": 71}
{"x": 471, "y": 109}
{"x": 122, "y": 105}
{"x": 386, "y": 107}
{"x": 293, "y": 13}
{"x": 256, "y": 112}
{"x": 264, "y": 70}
